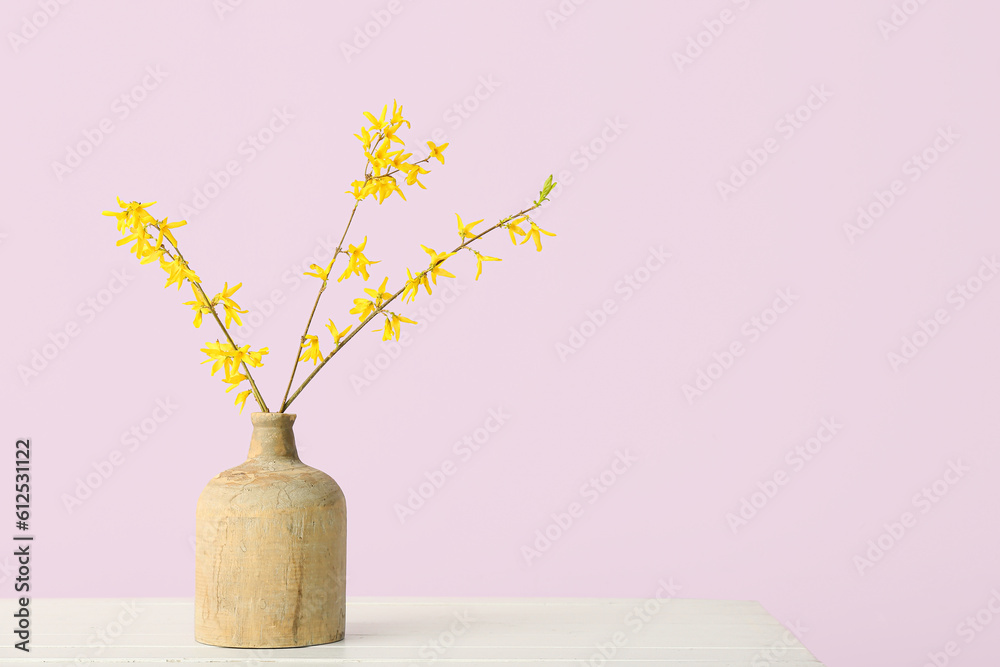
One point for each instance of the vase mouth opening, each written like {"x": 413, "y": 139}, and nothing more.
{"x": 272, "y": 418}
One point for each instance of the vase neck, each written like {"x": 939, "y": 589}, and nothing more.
{"x": 272, "y": 436}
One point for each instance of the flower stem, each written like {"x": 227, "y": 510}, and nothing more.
{"x": 385, "y": 303}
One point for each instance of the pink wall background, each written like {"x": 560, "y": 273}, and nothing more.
{"x": 559, "y": 83}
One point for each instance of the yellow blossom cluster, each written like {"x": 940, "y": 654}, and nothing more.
{"x": 386, "y": 161}
{"x": 228, "y": 357}
{"x": 148, "y": 234}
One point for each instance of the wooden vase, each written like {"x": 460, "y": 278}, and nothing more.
{"x": 271, "y": 548}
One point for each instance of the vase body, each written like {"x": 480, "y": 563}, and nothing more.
{"x": 270, "y": 548}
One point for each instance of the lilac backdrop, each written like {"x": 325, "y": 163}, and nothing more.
{"x": 713, "y": 159}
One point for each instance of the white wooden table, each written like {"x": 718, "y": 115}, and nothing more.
{"x": 419, "y": 631}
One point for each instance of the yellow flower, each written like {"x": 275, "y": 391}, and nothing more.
{"x": 397, "y": 115}
{"x": 362, "y": 308}
{"x": 121, "y": 217}
{"x": 533, "y": 233}
{"x": 399, "y": 160}
{"x": 199, "y": 305}
{"x": 365, "y": 138}
{"x": 413, "y": 171}
{"x": 312, "y": 352}
{"x": 337, "y": 335}
{"x": 231, "y": 307}
{"x": 412, "y": 286}
{"x": 378, "y": 185}
{"x": 164, "y": 228}
{"x": 396, "y": 319}
{"x": 357, "y": 263}
{"x": 436, "y": 259}
{"x": 177, "y": 271}
{"x": 377, "y": 123}
{"x": 243, "y": 355}
{"x": 152, "y": 255}
{"x": 466, "y": 231}
{"x": 391, "y": 327}
{"x": 513, "y": 228}
{"x": 229, "y": 358}
{"x": 390, "y": 134}
{"x": 234, "y": 381}
{"x": 480, "y": 258}
{"x": 385, "y": 330}
{"x": 132, "y": 215}
{"x": 386, "y": 186}
{"x": 241, "y": 399}
{"x": 380, "y": 159}
{"x": 221, "y": 356}
{"x": 255, "y": 359}
{"x": 437, "y": 151}
{"x": 318, "y": 272}
{"x": 142, "y": 245}
{"x": 362, "y": 189}
{"x": 380, "y": 294}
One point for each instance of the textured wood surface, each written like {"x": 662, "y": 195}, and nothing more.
{"x": 444, "y": 631}
{"x": 270, "y": 548}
